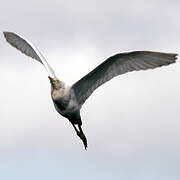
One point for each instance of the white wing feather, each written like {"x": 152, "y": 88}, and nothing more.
{"x": 29, "y": 49}
{"x": 116, "y": 65}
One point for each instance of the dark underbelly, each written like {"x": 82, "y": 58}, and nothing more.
{"x": 74, "y": 117}
{"x": 61, "y": 105}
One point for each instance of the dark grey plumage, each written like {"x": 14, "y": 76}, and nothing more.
{"x": 119, "y": 64}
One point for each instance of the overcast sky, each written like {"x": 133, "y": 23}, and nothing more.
{"x": 132, "y": 122}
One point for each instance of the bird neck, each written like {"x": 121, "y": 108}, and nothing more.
{"x": 59, "y": 85}
{"x": 59, "y": 92}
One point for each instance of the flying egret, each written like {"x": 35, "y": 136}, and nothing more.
{"x": 68, "y": 100}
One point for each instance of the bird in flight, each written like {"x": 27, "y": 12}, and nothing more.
{"x": 68, "y": 100}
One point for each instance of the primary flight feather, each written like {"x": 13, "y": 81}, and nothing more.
{"x": 69, "y": 99}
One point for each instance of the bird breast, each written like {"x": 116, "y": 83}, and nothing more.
{"x": 64, "y": 101}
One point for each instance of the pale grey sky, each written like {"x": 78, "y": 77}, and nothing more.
{"x": 132, "y": 122}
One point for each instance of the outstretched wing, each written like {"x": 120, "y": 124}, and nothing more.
{"x": 119, "y": 64}
{"x": 27, "y": 48}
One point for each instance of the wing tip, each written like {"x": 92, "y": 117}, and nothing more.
{"x": 172, "y": 57}
{"x": 7, "y": 34}
{"x": 175, "y": 56}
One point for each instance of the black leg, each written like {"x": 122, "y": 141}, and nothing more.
{"x": 75, "y": 128}
{"x": 80, "y": 134}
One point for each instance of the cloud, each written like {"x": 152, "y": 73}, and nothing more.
{"x": 131, "y": 119}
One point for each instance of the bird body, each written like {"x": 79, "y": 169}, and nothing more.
{"x": 66, "y": 104}
{"x": 68, "y": 100}
{"x": 65, "y": 101}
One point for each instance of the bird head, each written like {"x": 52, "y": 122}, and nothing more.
{"x": 55, "y": 83}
